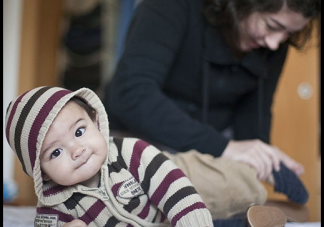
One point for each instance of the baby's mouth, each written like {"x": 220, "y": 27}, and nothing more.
{"x": 84, "y": 160}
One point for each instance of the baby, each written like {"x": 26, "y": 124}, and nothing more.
{"x": 83, "y": 177}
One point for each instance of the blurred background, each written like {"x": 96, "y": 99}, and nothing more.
{"x": 76, "y": 43}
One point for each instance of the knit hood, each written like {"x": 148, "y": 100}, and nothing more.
{"x": 28, "y": 119}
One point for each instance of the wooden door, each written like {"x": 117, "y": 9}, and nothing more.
{"x": 296, "y": 122}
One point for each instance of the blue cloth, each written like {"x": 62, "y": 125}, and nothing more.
{"x": 230, "y": 222}
{"x": 10, "y": 190}
{"x": 126, "y": 14}
{"x": 287, "y": 182}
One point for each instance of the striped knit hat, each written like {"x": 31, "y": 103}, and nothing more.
{"x": 29, "y": 117}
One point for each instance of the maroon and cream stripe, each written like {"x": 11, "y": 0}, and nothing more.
{"x": 28, "y": 119}
{"x": 25, "y": 119}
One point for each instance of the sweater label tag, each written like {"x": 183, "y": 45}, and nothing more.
{"x": 129, "y": 189}
{"x": 46, "y": 220}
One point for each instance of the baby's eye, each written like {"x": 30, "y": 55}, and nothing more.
{"x": 56, "y": 153}
{"x": 79, "y": 132}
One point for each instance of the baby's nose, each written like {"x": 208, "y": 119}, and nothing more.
{"x": 77, "y": 152}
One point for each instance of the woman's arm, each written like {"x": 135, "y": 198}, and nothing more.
{"x": 136, "y": 95}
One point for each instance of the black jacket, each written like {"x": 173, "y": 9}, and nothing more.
{"x": 178, "y": 83}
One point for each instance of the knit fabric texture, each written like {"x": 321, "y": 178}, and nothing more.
{"x": 138, "y": 185}
{"x": 287, "y": 182}
{"x": 29, "y": 117}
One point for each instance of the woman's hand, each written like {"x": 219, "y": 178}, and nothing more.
{"x": 75, "y": 223}
{"x": 261, "y": 156}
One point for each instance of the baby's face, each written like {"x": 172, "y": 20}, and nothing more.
{"x": 73, "y": 149}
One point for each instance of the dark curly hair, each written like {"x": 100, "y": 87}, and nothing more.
{"x": 228, "y": 13}
{"x": 84, "y": 105}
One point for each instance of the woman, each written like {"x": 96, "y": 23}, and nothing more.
{"x": 201, "y": 75}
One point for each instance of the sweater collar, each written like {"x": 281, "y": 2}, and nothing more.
{"x": 218, "y": 52}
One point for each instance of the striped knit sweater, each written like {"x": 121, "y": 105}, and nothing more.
{"x": 139, "y": 186}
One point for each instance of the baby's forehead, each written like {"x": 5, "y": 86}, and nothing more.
{"x": 70, "y": 111}
{"x": 77, "y": 104}
{"x": 68, "y": 117}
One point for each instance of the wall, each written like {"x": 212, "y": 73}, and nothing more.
{"x": 11, "y": 46}
{"x": 296, "y": 120}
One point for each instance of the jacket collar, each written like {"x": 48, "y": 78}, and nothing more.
{"x": 217, "y": 51}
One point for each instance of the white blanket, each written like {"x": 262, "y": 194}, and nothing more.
{"x": 18, "y": 216}
{"x": 23, "y": 216}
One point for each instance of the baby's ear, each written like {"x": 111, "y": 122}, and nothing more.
{"x": 97, "y": 118}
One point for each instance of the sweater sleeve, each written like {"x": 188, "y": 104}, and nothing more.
{"x": 167, "y": 187}
{"x": 136, "y": 97}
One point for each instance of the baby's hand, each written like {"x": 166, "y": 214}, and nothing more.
{"x": 75, "y": 223}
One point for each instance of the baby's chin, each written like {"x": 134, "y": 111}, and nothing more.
{"x": 93, "y": 178}
{"x": 82, "y": 177}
